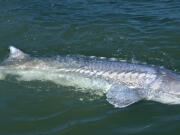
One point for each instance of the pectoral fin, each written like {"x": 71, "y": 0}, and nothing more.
{"x": 121, "y": 96}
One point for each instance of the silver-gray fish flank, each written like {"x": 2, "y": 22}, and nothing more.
{"x": 123, "y": 83}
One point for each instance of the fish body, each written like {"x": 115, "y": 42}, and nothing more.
{"x": 123, "y": 83}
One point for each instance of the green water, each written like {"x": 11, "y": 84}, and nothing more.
{"x": 139, "y": 30}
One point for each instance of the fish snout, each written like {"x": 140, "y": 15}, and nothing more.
{"x": 175, "y": 88}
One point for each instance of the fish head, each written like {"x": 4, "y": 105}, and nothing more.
{"x": 173, "y": 87}
{"x": 168, "y": 90}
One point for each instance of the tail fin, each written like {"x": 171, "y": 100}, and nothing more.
{"x": 16, "y": 53}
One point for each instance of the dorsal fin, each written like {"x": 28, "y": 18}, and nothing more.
{"x": 16, "y": 53}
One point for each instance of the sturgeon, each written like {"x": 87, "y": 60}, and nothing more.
{"x": 123, "y": 83}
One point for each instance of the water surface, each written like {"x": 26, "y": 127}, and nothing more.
{"x": 139, "y": 30}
